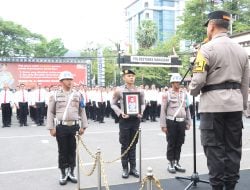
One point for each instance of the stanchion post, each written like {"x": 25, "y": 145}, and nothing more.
{"x": 140, "y": 167}
{"x": 99, "y": 169}
{"x": 149, "y": 176}
{"x": 78, "y": 160}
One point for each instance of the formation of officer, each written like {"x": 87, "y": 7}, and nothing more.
{"x": 128, "y": 124}
{"x": 221, "y": 73}
{"x": 66, "y": 115}
{"x": 174, "y": 120}
{"x": 6, "y": 101}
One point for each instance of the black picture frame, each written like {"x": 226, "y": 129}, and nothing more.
{"x": 132, "y": 103}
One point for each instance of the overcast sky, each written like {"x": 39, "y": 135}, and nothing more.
{"x": 76, "y": 22}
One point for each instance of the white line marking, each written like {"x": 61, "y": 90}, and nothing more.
{"x": 91, "y": 163}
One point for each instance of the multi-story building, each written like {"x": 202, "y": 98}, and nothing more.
{"x": 164, "y": 13}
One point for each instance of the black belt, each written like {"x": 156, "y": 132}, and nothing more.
{"x": 69, "y": 123}
{"x": 225, "y": 85}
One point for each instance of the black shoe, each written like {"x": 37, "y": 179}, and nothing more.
{"x": 178, "y": 167}
{"x": 134, "y": 173}
{"x": 63, "y": 178}
{"x": 71, "y": 175}
{"x": 125, "y": 173}
{"x": 171, "y": 168}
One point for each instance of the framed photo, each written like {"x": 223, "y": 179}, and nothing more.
{"x": 131, "y": 102}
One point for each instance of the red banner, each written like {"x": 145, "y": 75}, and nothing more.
{"x": 45, "y": 73}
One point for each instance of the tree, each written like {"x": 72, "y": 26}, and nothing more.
{"x": 240, "y": 10}
{"x": 146, "y": 34}
{"x": 54, "y": 48}
{"x": 16, "y": 40}
{"x": 196, "y": 11}
{"x": 193, "y": 20}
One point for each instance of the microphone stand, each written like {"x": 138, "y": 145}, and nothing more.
{"x": 195, "y": 176}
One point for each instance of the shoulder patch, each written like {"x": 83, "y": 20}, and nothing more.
{"x": 200, "y": 63}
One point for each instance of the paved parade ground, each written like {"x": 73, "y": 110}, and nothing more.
{"x": 28, "y": 156}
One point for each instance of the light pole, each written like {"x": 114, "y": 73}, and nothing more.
{"x": 119, "y": 63}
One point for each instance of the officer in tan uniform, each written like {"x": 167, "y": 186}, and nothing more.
{"x": 174, "y": 120}
{"x": 221, "y": 73}
{"x": 66, "y": 115}
{"x": 128, "y": 124}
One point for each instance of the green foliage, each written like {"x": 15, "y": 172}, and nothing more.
{"x": 54, "y": 48}
{"x": 146, "y": 34}
{"x": 16, "y": 40}
{"x": 193, "y": 20}
{"x": 240, "y": 10}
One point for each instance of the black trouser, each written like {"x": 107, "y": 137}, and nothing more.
{"x": 87, "y": 109}
{"x": 221, "y": 137}
{"x": 94, "y": 111}
{"x": 65, "y": 136}
{"x": 6, "y": 114}
{"x": 108, "y": 109}
{"x": 40, "y": 109}
{"x": 101, "y": 111}
{"x": 23, "y": 112}
{"x": 146, "y": 112}
{"x": 128, "y": 128}
{"x": 152, "y": 110}
{"x": 192, "y": 111}
{"x": 175, "y": 138}
{"x": 32, "y": 110}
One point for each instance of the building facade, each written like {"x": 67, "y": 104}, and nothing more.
{"x": 243, "y": 39}
{"x": 164, "y": 13}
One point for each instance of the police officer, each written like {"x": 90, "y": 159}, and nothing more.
{"x": 174, "y": 120}
{"x": 221, "y": 73}
{"x": 22, "y": 101}
{"x": 64, "y": 110}
{"x": 6, "y": 101}
{"x": 38, "y": 103}
{"x": 128, "y": 124}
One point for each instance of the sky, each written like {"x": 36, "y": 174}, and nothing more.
{"x": 79, "y": 23}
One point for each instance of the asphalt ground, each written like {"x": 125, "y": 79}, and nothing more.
{"x": 28, "y": 155}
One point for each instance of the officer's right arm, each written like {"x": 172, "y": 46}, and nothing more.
{"x": 163, "y": 113}
{"x": 51, "y": 113}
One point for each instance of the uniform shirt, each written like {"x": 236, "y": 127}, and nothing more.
{"x": 152, "y": 95}
{"x": 225, "y": 61}
{"x": 9, "y": 96}
{"x": 57, "y": 106}
{"x": 22, "y": 96}
{"x": 35, "y": 96}
{"x": 118, "y": 96}
{"x": 171, "y": 102}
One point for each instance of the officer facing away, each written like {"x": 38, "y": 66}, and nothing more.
{"x": 64, "y": 110}
{"x": 174, "y": 120}
{"x": 128, "y": 124}
{"x": 221, "y": 73}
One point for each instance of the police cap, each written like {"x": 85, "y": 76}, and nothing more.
{"x": 128, "y": 71}
{"x": 65, "y": 75}
{"x": 218, "y": 15}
